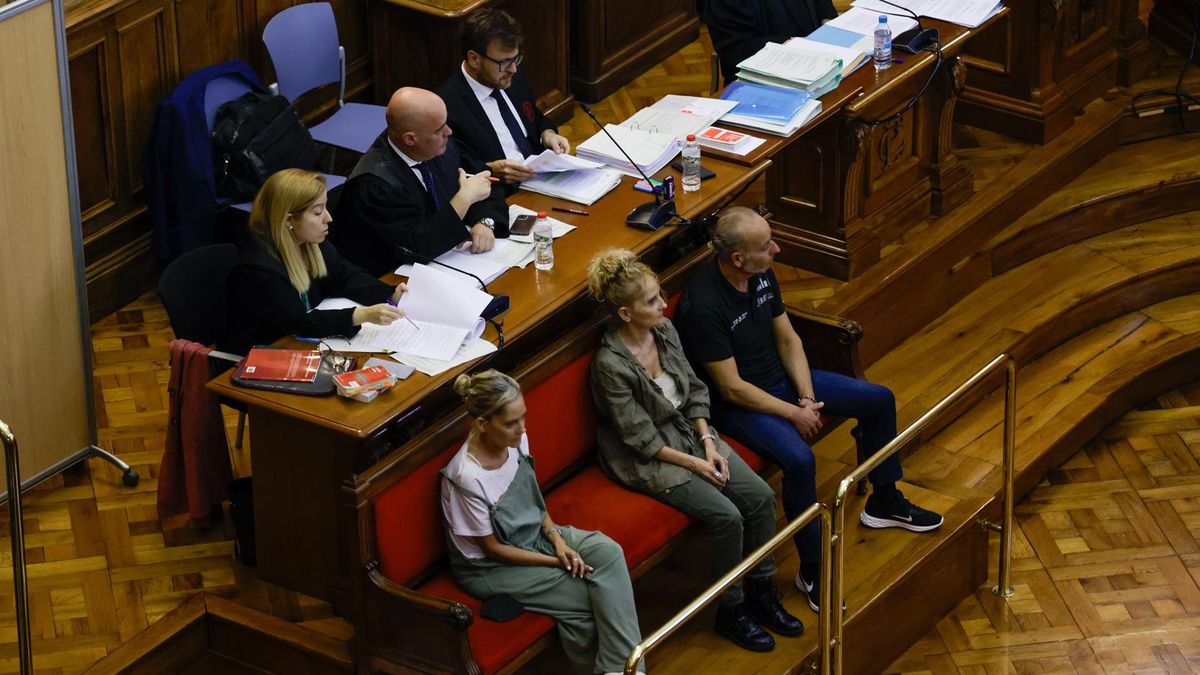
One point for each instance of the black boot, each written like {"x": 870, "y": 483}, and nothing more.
{"x": 734, "y": 623}
{"x": 762, "y": 604}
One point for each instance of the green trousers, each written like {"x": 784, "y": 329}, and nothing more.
{"x": 597, "y": 622}
{"x": 739, "y": 519}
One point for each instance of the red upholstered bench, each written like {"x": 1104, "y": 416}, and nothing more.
{"x": 408, "y": 610}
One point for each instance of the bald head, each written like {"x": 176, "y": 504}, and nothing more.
{"x": 730, "y": 234}
{"x": 416, "y": 123}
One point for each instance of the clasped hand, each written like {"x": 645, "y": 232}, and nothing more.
{"x": 713, "y": 468}
{"x": 571, "y": 561}
{"x": 806, "y": 417}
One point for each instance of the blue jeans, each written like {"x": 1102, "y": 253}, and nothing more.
{"x": 771, "y": 436}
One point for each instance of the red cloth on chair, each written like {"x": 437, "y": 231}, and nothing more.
{"x": 195, "y": 471}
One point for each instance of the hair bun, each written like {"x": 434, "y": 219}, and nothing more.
{"x": 462, "y": 385}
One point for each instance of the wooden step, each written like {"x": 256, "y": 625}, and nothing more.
{"x": 207, "y": 634}
{"x": 944, "y": 260}
{"x": 1134, "y": 184}
{"x": 888, "y": 573}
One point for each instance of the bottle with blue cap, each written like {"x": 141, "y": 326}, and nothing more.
{"x": 883, "y": 44}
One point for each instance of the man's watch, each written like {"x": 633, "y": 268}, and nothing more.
{"x": 489, "y": 223}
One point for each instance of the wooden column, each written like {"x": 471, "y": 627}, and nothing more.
{"x": 415, "y": 43}
{"x": 617, "y": 40}
{"x": 1034, "y": 68}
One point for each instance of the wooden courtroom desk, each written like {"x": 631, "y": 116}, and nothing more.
{"x": 415, "y": 43}
{"x": 839, "y": 187}
{"x": 304, "y": 448}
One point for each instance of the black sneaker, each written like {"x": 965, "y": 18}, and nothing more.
{"x": 763, "y": 605}
{"x": 734, "y": 623}
{"x": 897, "y": 511}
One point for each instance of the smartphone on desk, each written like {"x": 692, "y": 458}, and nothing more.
{"x": 522, "y": 225}
{"x": 705, "y": 172}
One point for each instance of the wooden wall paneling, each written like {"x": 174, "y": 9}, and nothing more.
{"x": 145, "y": 38}
{"x": 87, "y": 63}
{"x": 419, "y": 47}
{"x": 1034, "y": 69}
{"x": 225, "y": 36}
{"x": 617, "y": 40}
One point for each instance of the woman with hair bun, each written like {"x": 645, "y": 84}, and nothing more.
{"x": 504, "y": 543}
{"x": 654, "y": 437}
{"x": 287, "y": 268}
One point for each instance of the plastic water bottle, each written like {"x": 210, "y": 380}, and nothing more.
{"x": 543, "y": 243}
{"x": 691, "y": 164}
{"x": 883, "y": 45}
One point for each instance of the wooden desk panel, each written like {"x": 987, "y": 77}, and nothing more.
{"x": 416, "y": 44}
{"x": 617, "y": 40}
{"x": 1031, "y": 70}
{"x": 305, "y": 447}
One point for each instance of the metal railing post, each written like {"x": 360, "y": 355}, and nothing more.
{"x": 1004, "y": 587}
{"x": 17, "y": 535}
{"x": 751, "y": 561}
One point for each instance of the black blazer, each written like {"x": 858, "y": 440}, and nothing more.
{"x": 264, "y": 306}
{"x": 471, "y": 125}
{"x": 739, "y": 28}
{"x": 384, "y": 206}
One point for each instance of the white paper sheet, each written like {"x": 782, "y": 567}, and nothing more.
{"x": 549, "y": 162}
{"x": 471, "y": 350}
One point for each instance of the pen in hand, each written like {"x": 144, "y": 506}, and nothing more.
{"x": 397, "y": 306}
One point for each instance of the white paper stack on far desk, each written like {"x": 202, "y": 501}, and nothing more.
{"x": 471, "y": 350}
{"x": 968, "y": 13}
{"x": 812, "y": 71}
{"x": 442, "y": 310}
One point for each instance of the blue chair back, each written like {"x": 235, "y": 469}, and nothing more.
{"x": 303, "y": 44}
{"x": 220, "y": 91}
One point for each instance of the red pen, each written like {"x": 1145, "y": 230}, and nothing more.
{"x": 566, "y": 210}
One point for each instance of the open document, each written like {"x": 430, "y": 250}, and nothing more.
{"x": 442, "y": 310}
{"x": 650, "y": 150}
{"x": 551, "y": 162}
{"x": 582, "y": 186}
{"x": 968, "y": 13}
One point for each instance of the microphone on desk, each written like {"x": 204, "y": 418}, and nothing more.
{"x": 651, "y": 215}
{"x": 495, "y": 308}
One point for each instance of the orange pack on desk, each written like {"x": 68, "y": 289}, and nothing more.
{"x": 364, "y": 385}
{"x": 281, "y": 365}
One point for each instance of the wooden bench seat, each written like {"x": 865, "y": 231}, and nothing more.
{"x": 409, "y": 613}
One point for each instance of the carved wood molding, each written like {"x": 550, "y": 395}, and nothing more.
{"x": 855, "y": 138}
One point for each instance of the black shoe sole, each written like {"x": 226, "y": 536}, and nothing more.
{"x": 748, "y": 646}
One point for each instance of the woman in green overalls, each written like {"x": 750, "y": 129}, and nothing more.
{"x": 503, "y": 542}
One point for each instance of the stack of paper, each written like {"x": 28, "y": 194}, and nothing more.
{"x": 550, "y": 162}
{"x": 651, "y": 151}
{"x": 776, "y": 110}
{"x": 812, "y": 71}
{"x": 582, "y": 186}
{"x": 442, "y": 312}
{"x": 851, "y": 36}
{"x": 969, "y": 13}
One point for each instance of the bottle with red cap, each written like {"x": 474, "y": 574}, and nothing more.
{"x": 543, "y": 243}
{"x": 691, "y": 164}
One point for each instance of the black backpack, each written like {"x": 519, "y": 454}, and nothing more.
{"x": 254, "y": 136}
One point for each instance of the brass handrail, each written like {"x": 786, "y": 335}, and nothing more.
{"x": 17, "y": 535}
{"x": 1003, "y": 588}
{"x": 817, "y": 510}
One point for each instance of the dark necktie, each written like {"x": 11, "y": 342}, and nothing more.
{"x": 511, "y": 122}
{"x": 430, "y": 184}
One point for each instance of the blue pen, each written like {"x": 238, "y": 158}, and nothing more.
{"x": 309, "y": 340}
{"x": 393, "y": 304}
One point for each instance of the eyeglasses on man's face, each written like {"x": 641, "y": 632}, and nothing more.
{"x": 506, "y": 64}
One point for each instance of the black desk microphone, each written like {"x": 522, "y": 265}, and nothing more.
{"x": 495, "y": 308}
{"x": 648, "y": 216}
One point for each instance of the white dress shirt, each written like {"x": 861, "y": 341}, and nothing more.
{"x": 492, "y": 110}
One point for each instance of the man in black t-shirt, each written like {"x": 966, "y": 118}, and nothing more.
{"x": 738, "y": 336}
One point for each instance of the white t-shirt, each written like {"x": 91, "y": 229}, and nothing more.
{"x": 670, "y": 388}
{"x": 468, "y": 517}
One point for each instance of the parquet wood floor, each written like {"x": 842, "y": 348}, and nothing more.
{"x": 1106, "y": 562}
{"x": 1107, "y": 558}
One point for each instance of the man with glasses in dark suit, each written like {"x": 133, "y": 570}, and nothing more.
{"x": 491, "y": 106}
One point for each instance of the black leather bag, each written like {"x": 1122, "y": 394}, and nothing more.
{"x": 254, "y": 136}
